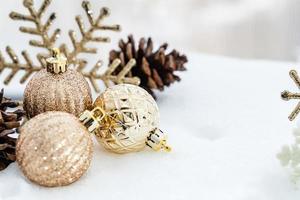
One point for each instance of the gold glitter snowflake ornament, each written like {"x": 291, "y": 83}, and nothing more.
{"x": 48, "y": 40}
{"x": 286, "y": 95}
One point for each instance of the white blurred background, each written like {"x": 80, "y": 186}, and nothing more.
{"x": 268, "y": 29}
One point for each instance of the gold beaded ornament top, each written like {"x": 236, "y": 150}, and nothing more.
{"x": 286, "y": 95}
{"x": 125, "y": 119}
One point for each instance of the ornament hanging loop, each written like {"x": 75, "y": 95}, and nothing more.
{"x": 157, "y": 140}
{"x": 166, "y": 147}
{"x": 57, "y": 63}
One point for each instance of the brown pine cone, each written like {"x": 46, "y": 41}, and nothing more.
{"x": 9, "y": 121}
{"x": 155, "y": 69}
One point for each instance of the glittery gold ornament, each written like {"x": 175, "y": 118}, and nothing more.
{"x": 57, "y": 88}
{"x": 54, "y": 149}
{"x": 125, "y": 119}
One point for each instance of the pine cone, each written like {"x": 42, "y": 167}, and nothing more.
{"x": 155, "y": 69}
{"x": 9, "y": 121}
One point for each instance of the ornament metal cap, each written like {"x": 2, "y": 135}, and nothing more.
{"x": 57, "y": 63}
{"x": 157, "y": 140}
{"x": 92, "y": 119}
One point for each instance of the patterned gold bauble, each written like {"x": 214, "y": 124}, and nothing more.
{"x": 57, "y": 88}
{"x": 54, "y": 149}
{"x": 124, "y": 118}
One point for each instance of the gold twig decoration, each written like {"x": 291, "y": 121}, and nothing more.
{"x": 40, "y": 29}
{"x": 16, "y": 66}
{"x": 286, "y": 95}
{"x": 108, "y": 76}
{"x": 48, "y": 41}
{"x": 87, "y": 35}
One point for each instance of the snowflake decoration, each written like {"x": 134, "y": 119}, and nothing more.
{"x": 286, "y": 95}
{"x": 47, "y": 41}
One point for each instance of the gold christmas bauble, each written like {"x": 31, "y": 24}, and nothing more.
{"x": 54, "y": 149}
{"x": 57, "y": 88}
{"x": 131, "y": 114}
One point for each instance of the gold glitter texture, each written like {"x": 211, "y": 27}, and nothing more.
{"x": 54, "y": 149}
{"x": 67, "y": 91}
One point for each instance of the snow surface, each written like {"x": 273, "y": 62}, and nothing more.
{"x": 226, "y": 122}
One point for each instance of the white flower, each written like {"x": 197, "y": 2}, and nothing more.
{"x": 289, "y": 157}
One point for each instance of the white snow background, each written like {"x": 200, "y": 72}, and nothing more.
{"x": 225, "y": 121}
